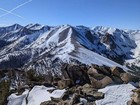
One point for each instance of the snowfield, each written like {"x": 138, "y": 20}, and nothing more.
{"x": 116, "y": 94}
{"x": 13, "y": 99}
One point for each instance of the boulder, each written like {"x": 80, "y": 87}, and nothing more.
{"x": 117, "y": 79}
{"x": 87, "y": 89}
{"x": 106, "y": 81}
{"x": 55, "y": 99}
{"x": 136, "y": 90}
{"x": 65, "y": 83}
{"x": 98, "y": 76}
{"x": 64, "y": 71}
{"x": 95, "y": 83}
{"x": 116, "y": 71}
{"x": 131, "y": 102}
{"x": 105, "y": 70}
{"x": 74, "y": 99}
{"x": 136, "y": 96}
{"x": 78, "y": 74}
{"x": 98, "y": 84}
{"x": 75, "y": 89}
{"x": 87, "y": 86}
{"x": 94, "y": 96}
{"x": 127, "y": 77}
{"x": 98, "y": 95}
{"x": 65, "y": 96}
{"x": 91, "y": 71}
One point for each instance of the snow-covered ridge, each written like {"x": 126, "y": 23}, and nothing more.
{"x": 37, "y": 45}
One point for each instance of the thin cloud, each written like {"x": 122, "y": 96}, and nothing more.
{"x": 11, "y": 11}
{"x": 20, "y": 5}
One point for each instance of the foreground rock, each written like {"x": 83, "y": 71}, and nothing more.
{"x": 77, "y": 73}
{"x": 79, "y": 85}
{"x": 104, "y": 76}
{"x": 65, "y": 83}
{"x": 126, "y": 77}
{"x": 79, "y": 95}
{"x": 135, "y": 98}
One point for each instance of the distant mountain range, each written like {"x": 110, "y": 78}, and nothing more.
{"x": 44, "y": 48}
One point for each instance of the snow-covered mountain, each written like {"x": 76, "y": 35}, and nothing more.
{"x": 44, "y": 48}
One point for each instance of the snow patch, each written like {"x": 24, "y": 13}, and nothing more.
{"x": 36, "y": 96}
{"x": 116, "y": 94}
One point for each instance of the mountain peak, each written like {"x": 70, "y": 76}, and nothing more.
{"x": 34, "y": 26}
{"x": 16, "y": 26}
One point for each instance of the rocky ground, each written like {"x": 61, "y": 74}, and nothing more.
{"x": 82, "y": 84}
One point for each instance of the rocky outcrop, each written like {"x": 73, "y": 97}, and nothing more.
{"x": 83, "y": 82}
{"x": 74, "y": 95}
{"x": 97, "y": 76}
{"x": 116, "y": 71}
{"x": 135, "y": 98}
{"x": 77, "y": 73}
{"x": 109, "y": 40}
{"x": 127, "y": 77}
{"x": 105, "y": 75}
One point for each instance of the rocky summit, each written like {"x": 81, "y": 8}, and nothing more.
{"x": 79, "y": 85}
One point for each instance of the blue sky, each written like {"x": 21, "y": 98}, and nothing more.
{"x": 112, "y": 13}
